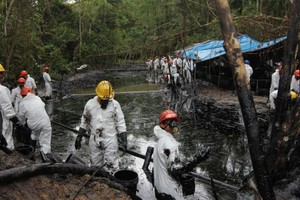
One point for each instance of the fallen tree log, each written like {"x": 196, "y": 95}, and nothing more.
{"x": 13, "y": 174}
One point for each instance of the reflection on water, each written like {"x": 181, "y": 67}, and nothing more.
{"x": 229, "y": 161}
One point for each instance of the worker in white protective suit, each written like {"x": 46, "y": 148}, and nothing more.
{"x": 105, "y": 119}
{"x": 167, "y": 167}
{"x": 273, "y": 97}
{"x": 8, "y": 115}
{"x": 249, "y": 70}
{"x": 30, "y": 82}
{"x": 48, "y": 84}
{"x": 275, "y": 78}
{"x": 16, "y": 94}
{"x": 295, "y": 82}
{"x": 32, "y": 112}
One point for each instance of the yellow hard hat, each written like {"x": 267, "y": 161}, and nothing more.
{"x": 293, "y": 95}
{"x": 2, "y": 68}
{"x": 104, "y": 90}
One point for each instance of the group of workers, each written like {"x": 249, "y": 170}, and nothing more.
{"x": 22, "y": 107}
{"x": 294, "y": 87}
{"x": 103, "y": 118}
{"x": 177, "y": 69}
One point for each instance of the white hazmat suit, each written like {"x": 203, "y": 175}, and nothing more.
{"x": 7, "y": 112}
{"x": 16, "y": 98}
{"x": 104, "y": 125}
{"x": 48, "y": 85}
{"x": 32, "y": 110}
{"x": 163, "y": 181}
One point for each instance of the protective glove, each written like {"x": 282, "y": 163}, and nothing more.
{"x": 124, "y": 140}
{"x": 202, "y": 155}
{"x": 2, "y": 140}
{"x": 15, "y": 121}
{"x": 81, "y": 132}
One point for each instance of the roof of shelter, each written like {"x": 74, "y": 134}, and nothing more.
{"x": 215, "y": 48}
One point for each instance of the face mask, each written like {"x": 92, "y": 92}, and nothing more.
{"x": 174, "y": 127}
{"x": 104, "y": 104}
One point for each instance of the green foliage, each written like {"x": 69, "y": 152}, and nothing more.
{"x": 95, "y": 32}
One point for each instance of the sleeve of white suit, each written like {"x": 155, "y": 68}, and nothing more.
{"x": 120, "y": 120}
{"x": 5, "y": 103}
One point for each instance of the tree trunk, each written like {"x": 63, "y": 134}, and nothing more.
{"x": 235, "y": 57}
{"x": 283, "y": 130}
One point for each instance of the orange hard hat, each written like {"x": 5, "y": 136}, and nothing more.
{"x": 21, "y": 80}
{"x": 297, "y": 72}
{"x": 23, "y": 73}
{"x": 168, "y": 114}
{"x": 25, "y": 90}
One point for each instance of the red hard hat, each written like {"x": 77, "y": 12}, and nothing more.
{"x": 23, "y": 73}
{"x": 25, "y": 90}
{"x": 297, "y": 72}
{"x": 168, "y": 114}
{"x": 46, "y": 68}
{"x": 21, "y": 80}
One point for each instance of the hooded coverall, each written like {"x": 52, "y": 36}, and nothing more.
{"x": 16, "y": 98}
{"x": 30, "y": 82}
{"x": 162, "y": 162}
{"x": 274, "y": 81}
{"x": 48, "y": 86}
{"x": 104, "y": 125}
{"x": 32, "y": 110}
{"x": 7, "y": 112}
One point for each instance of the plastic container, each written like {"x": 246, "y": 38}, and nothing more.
{"x": 25, "y": 150}
{"x": 188, "y": 185}
{"x": 128, "y": 179}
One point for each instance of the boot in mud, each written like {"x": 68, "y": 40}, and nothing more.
{"x": 33, "y": 144}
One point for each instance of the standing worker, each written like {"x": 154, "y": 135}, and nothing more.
{"x": 105, "y": 119}
{"x": 30, "y": 82}
{"x": 295, "y": 82}
{"x": 275, "y": 79}
{"x": 8, "y": 114}
{"x": 48, "y": 84}
{"x": 32, "y": 112}
{"x": 16, "y": 94}
{"x": 167, "y": 167}
{"x": 249, "y": 70}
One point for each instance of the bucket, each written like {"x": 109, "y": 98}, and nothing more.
{"x": 25, "y": 150}
{"x": 75, "y": 160}
{"x": 188, "y": 185}
{"x": 128, "y": 179}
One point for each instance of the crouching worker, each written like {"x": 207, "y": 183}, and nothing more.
{"x": 168, "y": 169}
{"x": 105, "y": 119}
{"x": 32, "y": 112}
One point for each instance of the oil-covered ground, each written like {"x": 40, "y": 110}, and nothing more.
{"x": 209, "y": 117}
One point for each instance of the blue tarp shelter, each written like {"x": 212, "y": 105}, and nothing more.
{"x": 214, "y": 48}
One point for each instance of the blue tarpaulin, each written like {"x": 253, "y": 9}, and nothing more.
{"x": 214, "y": 48}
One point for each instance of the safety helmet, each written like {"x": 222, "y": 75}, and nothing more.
{"x": 171, "y": 62}
{"x": 247, "y": 62}
{"x": 297, "y": 72}
{"x": 293, "y": 95}
{"x": 104, "y": 90}
{"x": 168, "y": 114}
{"x": 2, "y": 68}
{"x": 21, "y": 80}
{"x": 46, "y": 68}
{"x": 23, "y": 73}
{"x": 25, "y": 90}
